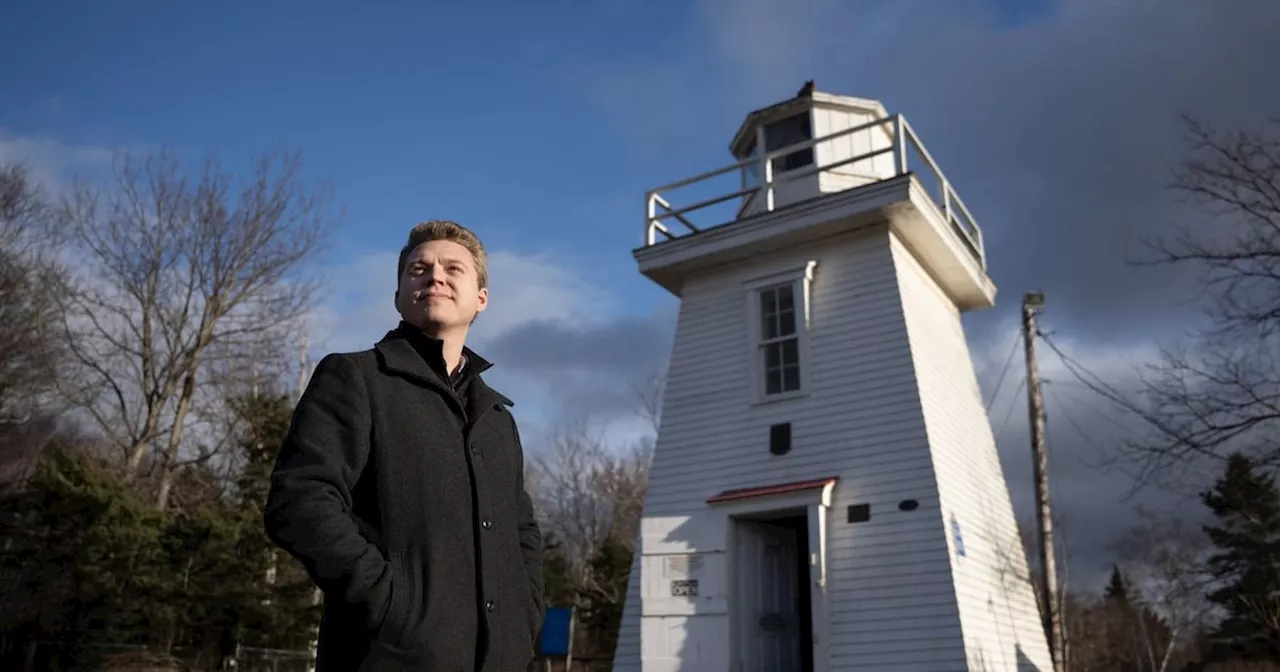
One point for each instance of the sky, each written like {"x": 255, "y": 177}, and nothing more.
{"x": 541, "y": 126}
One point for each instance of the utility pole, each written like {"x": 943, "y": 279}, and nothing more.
{"x": 1032, "y": 302}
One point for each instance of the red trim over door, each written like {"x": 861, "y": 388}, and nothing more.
{"x": 767, "y": 490}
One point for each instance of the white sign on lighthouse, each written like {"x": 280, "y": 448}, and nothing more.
{"x": 823, "y": 438}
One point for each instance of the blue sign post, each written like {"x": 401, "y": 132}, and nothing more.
{"x": 556, "y": 639}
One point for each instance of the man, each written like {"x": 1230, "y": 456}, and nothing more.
{"x": 400, "y": 486}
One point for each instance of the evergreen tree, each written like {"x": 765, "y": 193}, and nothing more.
{"x": 83, "y": 557}
{"x": 1117, "y": 591}
{"x": 87, "y": 558}
{"x": 280, "y": 614}
{"x": 602, "y": 599}
{"x": 558, "y": 585}
{"x": 1246, "y": 504}
{"x": 264, "y": 421}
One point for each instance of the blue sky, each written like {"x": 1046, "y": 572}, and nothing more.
{"x": 486, "y": 114}
{"x": 541, "y": 125}
{"x": 409, "y": 113}
{"x": 520, "y": 122}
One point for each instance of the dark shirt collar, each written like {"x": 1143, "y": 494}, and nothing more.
{"x": 432, "y": 352}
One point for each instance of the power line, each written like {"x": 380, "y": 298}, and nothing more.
{"x": 1152, "y": 461}
{"x": 1062, "y": 408}
{"x": 1013, "y": 349}
{"x": 1105, "y": 459}
{"x": 1081, "y": 373}
{"x": 1013, "y": 404}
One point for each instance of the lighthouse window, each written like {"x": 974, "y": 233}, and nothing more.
{"x": 788, "y": 132}
{"x": 779, "y": 321}
{"x": 779, "y": 341}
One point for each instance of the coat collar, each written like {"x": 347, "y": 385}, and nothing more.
{"x": 399, "y": 355}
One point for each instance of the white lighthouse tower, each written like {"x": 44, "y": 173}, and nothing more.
{"x": 825, "y": 492}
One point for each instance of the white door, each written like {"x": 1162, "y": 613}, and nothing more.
{"x": 766, "y": 610}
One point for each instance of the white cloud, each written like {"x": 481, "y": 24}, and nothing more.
{"x": 525, "y": 290}
{"x": 528, "y": 288}
{"x": 52, "y": 163}
{"x": 522, "y": 289}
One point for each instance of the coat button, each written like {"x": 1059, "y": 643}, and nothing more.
{"x": 487, "y": 524}
{"x": 490, "y": 605}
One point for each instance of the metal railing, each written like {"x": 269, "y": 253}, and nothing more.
{"x": 903, "y": 139}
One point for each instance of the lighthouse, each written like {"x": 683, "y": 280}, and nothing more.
{"x": 825, "y": 491}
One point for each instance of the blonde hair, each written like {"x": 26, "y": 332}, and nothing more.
{"x": 443, "y": 229}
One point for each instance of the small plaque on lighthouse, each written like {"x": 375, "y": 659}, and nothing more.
{"x": 959, "y": 538}
{"x": 681, "y": 566}
{"x": 684, "y": 588}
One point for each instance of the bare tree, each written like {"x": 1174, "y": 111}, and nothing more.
{"x": 28, "y": 360}
{"x": 649, "y": 399}
{"x": 1165, "y": 557}
{"x": 22, "y": 203}
{"x": 572, "y": 511}
{"x": 588, "y": 492}
{"x": 1220, "y": 391}
{"x": 175, "y": 268}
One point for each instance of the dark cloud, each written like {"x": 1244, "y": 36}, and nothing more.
{"x": 1093, "y": 493}
{"x": 1058, "y": 127}
{"x": 1060, "y": 136}
{"x": 590, "y": 370}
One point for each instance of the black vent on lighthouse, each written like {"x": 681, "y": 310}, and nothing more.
{"x": 780, "y": 438}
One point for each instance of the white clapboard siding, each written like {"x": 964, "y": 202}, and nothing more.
{"x": 894, "y": 411}
{"x": 893, "y": 603}
{"x": 997, "y": 606}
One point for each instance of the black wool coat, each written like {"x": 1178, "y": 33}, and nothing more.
{"x": 402, "y": 493}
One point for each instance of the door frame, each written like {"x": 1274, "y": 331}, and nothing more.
{"x": 815, "y": 502}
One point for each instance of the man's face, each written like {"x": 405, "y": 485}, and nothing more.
{"x": 439, "y": 290}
